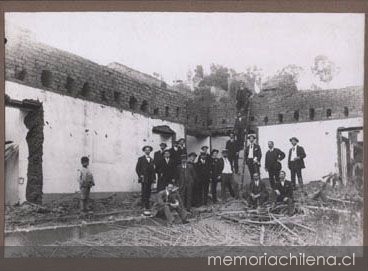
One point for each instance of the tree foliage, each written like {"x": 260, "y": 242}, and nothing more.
{"x": 218, "y": 77}
{"x": 324, "y": 69}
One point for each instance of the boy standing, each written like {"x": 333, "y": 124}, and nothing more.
{"x": 85, "y": 181}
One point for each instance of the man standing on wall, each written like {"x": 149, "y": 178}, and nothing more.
{"x": 272, "y": 163}
{"x": 253, "y": 154}
{"x": 239, "y": 128}
{"x": 296, "y": 161}
{"x": 146, "y": 176}
{"x": 186, "y": 176}
{"x": 233, "y": 148}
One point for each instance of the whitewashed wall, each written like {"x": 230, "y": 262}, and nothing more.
{"x": 319, "y": 139}
{"x": 194, "y": 143}
{"x": 112, "y": 139}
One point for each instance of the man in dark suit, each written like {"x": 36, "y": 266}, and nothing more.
{"x": 258, "y": 194}
{"x": 145, "y": 170}
{"x": 284, "y": 192}
{"x": 181, "y": 146}
{"x": 239, "y": 128}
{"x": 168, "y": 200}
{"x": 272, "y": 163}
{"x": 227, "y": 177}
{"x": 175, "y": 152}
{"x": 186, "y": 176}
{"x": 166, "y": 171}
{"x": 233, "y": 148}
{"x": 296, "y": 161}
{"x": 201, "y": 186}
{"x": 157, "y": 159}
{"x": 253, "y": 155}
{"x": 215, "y": 170}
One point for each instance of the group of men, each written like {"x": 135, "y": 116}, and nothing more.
{"x": 185, "y": 180}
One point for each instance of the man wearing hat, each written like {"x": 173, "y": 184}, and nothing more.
{"x": 186, "y": 176}
{"x": 201, "y": 186}
{"x": 167, "y": 171}
{"x": 168, "y": 200}
{"x": 226, "y": 176}
{"x": 272, "y": 163}
{"x": 296, "y": 161}
{"x": 146, "y": 175}
{"x": 215, "y": 172}
{"x": 253, "y": 155}
{"x": 181, "y": 146}
{"x": 157, "y": 159}
{"x": 232, "y": 146}
{"x": 258, "y": 194}
{"x": 204, "y": 150}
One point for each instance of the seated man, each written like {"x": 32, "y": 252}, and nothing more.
{"x": 284, "y": 192}
{"x": 258, "y": 194}
{"x": 168, "y": 200}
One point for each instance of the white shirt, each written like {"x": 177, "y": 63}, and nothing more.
{"x": 256, "y": 183}
{"x": 227, "y": 166}
{"x": 167, "y": 160}
{"x": 148, "y": 159}
{"x": 282, "y": 183}
{"x": 250, "y": 154}
{"x": 293, "y": 153}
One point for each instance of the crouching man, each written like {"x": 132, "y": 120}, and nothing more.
{"x": 258, "y": 194}
{"x": 284, "y": 192}
{"x": 168, "y": 200}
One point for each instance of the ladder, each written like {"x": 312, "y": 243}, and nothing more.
{"x": 245, "y": 141}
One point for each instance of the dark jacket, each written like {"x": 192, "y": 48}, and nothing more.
{"x": 216, "y": 167}
{"x": 260, "y": 189}
{"x": 145, "y": 169}
{"x": 256, "y": 152}
{"x": 232, "y": 147}
{"x": 157, "y": 159}
{"x": 186, "y": 175}
{"x": 271, "y": 162}
{"x": 163, "y": 197}
{"x": 240, "y": 124}
{"x": 175, "y": 155}
{"x": 203, "y": 170}
{"x": 286, "y": 190}
{"x": 168, "y": 170}
{"x": 298, "y": 163}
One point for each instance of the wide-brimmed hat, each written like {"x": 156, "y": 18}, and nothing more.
{"x": 252, "y": 135}
{"x": 163, "y": 144}
{"x": 180, "y": 139}
{"x": 204, "y": 147}
{"x": 214, "y": 150}
{"x": 147, "y": 146}
{"x": 294, "y": 138}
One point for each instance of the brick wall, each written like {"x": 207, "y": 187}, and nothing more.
{"x": 41, "y": 66}
{"x": 275, "y": 107}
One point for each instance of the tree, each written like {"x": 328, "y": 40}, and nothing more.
{"x": 324, "y": 69}
{"x": 198, "y": 72}
{"x": 290, "y": 71}
{"x": 217, "y": 78}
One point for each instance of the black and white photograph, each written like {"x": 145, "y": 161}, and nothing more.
{"x": 180, "y": 134}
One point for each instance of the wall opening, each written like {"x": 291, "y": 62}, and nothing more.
{"x": 117, "y": 96}
{"x": 70, "y": 84}
{"x": 196, "y": 119}
{"x": 209, "y": 122}
{"x": 85, "y": 90}
{"x": 311, "y": 113}
{"x": 177, "y": 111}
{"x": 46, "y": 78}
{"x": 144, "y": 106}
{"x": 346, "y": 111}
{"x": 328, "y": 113}
{"x": 20, "y": 75}
{"x": 281, "y": 118}
{"x": 265, "y": 120}
{"x": 103, "y": 96}
{"x": 296, "y": 115}
{"x": 132, "y": 103}
{"x": 223, "y": 121}
{"x": 167, "y": 111}
{"x": 156, "y": 111}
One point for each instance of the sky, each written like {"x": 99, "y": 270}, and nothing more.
{"x": 171, "y": 44}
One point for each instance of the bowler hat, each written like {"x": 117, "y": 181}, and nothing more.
{"x": 294, "y": 138}
{"x": 214, "y": 150}
{"x": 204, "y": 147}
{"x": 163, "y": 144}
{"x": 147, "y": 146}
{"x": 252, "y": 135}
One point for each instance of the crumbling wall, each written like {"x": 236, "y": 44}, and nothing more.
{"x": 35, "y": 137}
